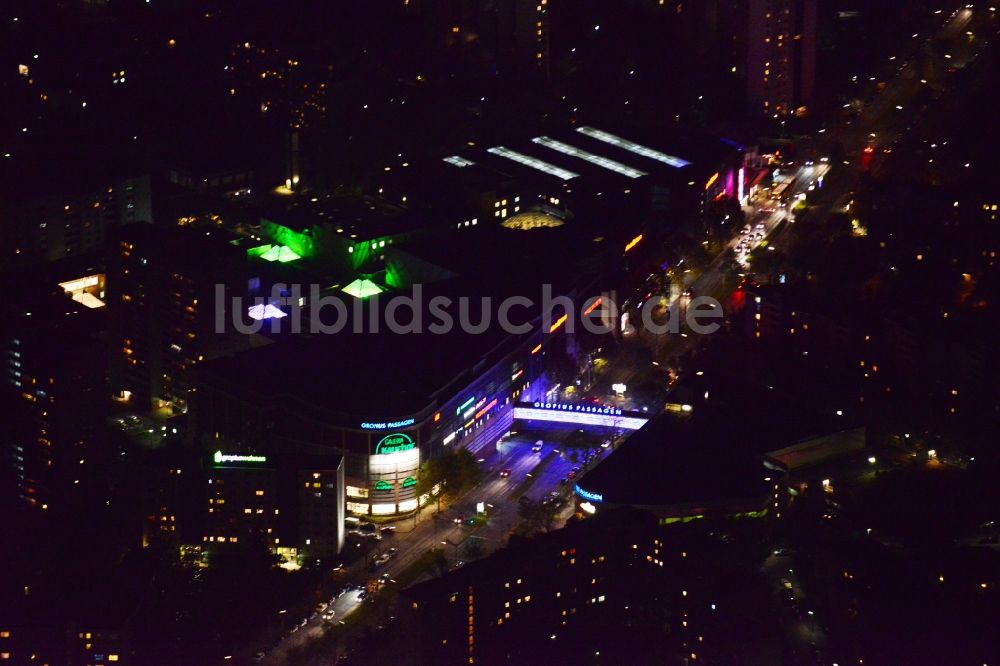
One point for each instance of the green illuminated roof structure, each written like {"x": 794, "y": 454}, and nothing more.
{"x": 299, "y": 242}
{"x": 363, "y": 288}
{"x": 280, "y": 253}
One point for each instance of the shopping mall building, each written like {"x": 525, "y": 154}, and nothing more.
{"x": 383, "y": 424}
{"x": 570, "y": 211}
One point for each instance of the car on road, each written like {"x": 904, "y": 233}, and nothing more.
{"x": 384, "y": 578}
{"x": 505, "y": 473}
{"x": 537, "y": 448}
{"x": 458, "y": 520}
{"x": 329, "y": 615}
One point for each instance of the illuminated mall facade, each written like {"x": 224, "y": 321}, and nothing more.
{"x": 382, "y": 451}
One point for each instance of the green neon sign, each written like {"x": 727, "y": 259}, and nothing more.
{"x": 409, "y": 482}
{"x": 219, "y": 457}
{"x": 394, "y": 443}
{"x": 383, "y": 485}
{"x": 467, "y": 403}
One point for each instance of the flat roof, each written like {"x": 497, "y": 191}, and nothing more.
{"x": 584, "y": 158}
{"x": 364, "y": 216}
{"x": 380, "y": 375}
{"x": 360, "y": 376}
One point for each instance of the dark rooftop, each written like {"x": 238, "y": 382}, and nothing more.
{"x": 360, "y": 375}
{"x": 672, "y": 462}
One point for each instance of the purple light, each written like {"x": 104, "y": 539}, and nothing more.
{"x": 261, "y": 311}
{"x": 579, "y": 418}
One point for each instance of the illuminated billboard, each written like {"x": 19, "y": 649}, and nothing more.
{"x": 585, "y": 415}
{"x": 387, "y": 425}
{"x": 394, "y": 444}
{"x": 220, "y": 458}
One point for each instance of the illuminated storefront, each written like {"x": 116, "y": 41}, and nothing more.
{"x": 382, "y": 436}
{"x": 392, "y": 475}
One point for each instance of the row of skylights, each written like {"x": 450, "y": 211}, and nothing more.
{"x": 633, "y": 147}
{"x": 573, "y": 151}
{"x": 458, "y": 161}
{"x": 533, "y": 162}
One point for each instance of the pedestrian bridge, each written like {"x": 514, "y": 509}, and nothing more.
{"x": 580, "y": 415}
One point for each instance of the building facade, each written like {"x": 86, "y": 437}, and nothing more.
{"x": 53, "y": 229}
{"x": 292, "y": 506}
{"x": 161, "y": 291}
{"x": 382, "y": 454}
{"x": 53, "y": 394}
{"x": 781, "y": 56}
